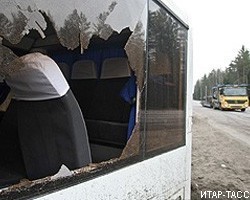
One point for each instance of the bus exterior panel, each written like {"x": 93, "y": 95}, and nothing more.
{"x": 149, "y": 179}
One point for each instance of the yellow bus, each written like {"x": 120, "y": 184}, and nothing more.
{"x": 230, "y": 97}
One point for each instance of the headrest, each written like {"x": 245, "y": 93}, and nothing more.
{"x": 64, "y": 67}
{"x": 39, "y": 79}
{"x": 115, "y": 68}
{"x": 84, "y": 69}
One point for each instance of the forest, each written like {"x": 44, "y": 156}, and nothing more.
{"x": 237, "y": 73}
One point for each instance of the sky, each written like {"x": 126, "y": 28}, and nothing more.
{"x": 219, "y": 29}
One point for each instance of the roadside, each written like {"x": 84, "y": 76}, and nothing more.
{"x": 220, "y": 162}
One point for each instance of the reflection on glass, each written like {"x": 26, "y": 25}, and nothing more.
{"x": 136, "y": 43}
{"x": 7, "y": 66}
{"x": 165, "y": 87}
{"x": 75, "y": 23}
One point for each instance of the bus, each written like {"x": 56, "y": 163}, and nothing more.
{"x": 230, "y": 97}
{"x": 121, "y": 100}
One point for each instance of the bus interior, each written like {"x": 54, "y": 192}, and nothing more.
{"x": 103, "y": 84}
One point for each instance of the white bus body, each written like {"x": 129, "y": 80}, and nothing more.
{"x": 153, "y": 160}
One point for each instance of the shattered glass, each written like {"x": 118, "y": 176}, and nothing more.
{"x": 75, "y": 23}
{"x": 8, "y": 61}
{"x": 24, "y": 25}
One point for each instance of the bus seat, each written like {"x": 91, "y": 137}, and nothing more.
{"x": 115, "y": 68}
{"x": 50, "y": 125}
{"x": 108, "y": 115}
{"x": 84, "y": 69}
{"x": 55, "y": 134}
{"x": 83, "y": 82}
{"x": 12, "y": 168}
{"x": 65, "y": 69}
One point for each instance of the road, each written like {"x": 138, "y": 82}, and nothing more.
{"x": 220, "y": 151}
{"x": 233, "y": 123}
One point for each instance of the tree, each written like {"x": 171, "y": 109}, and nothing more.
{"x": 238, "y": 72}
{"x": 240, "y": 67}
{"x": 197, "y": 90}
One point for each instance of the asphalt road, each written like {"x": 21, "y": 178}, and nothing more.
{"x": 234, "y": 124}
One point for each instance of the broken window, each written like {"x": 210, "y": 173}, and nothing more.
{"x": 130, "y": 92}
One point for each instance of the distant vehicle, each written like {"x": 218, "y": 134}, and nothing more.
{"x": 207, "y": 101}
{"x": 230, "y": 97}
{"x": 248, "y": 92}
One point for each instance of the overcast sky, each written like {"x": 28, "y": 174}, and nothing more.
{"x": 220, "y": 28}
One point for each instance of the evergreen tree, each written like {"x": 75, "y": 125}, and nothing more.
{"x": 238, "y": 72}
{"x": 197, "y": 90}
{"x": 240, "y": 67}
